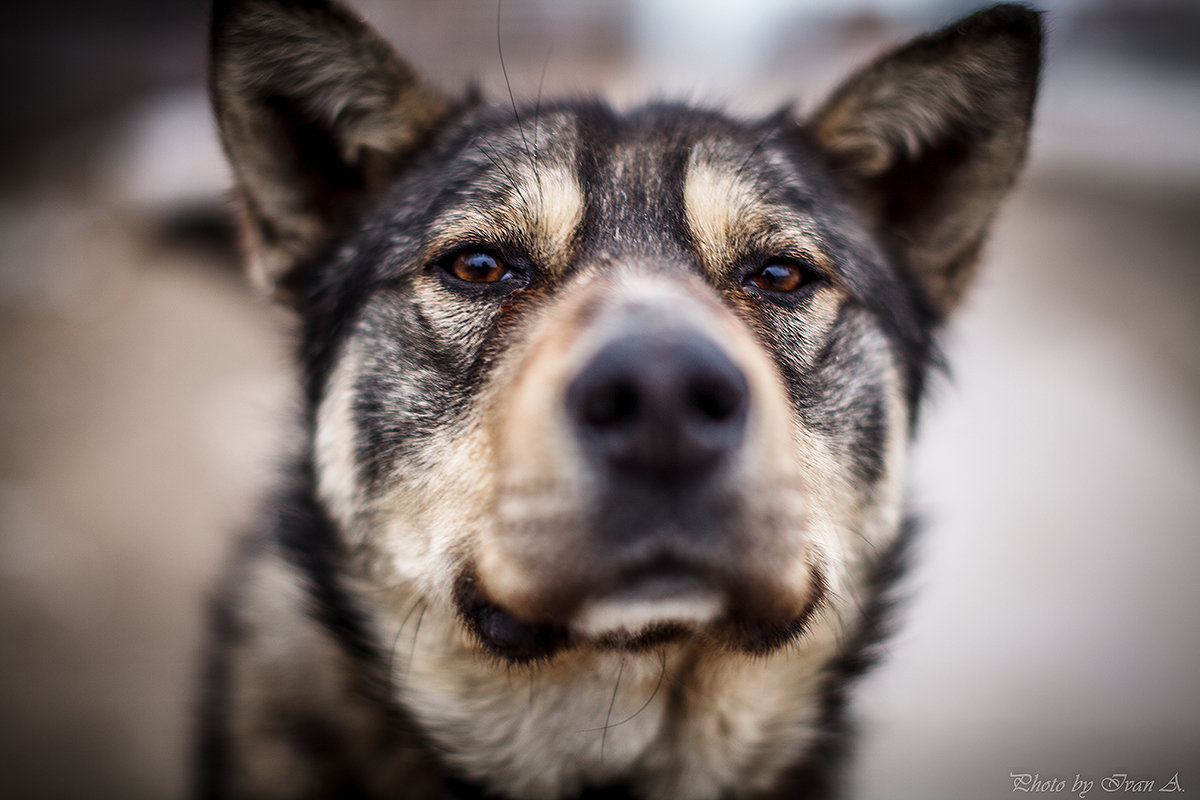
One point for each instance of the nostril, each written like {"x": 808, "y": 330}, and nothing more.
{"x": 610, "y": 405}
{"x": 716, "y": 398}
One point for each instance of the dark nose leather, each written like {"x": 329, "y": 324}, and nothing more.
{"x": 666, "y": 407}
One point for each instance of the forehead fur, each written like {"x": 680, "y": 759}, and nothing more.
{"x": 579, "y": 184}
{"x": 583, "y": 182}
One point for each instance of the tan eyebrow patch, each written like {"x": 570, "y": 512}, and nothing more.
{"x": 559, "y": 211}
{"x": 534, "y": 201}
{"x": 730, "y": 219}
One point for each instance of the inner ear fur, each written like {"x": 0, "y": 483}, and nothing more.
{"x": 929, "y": 138}
{"x": 316, "y": 113}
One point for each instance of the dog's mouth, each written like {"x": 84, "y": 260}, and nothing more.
{"x": 666, "y": 596}
{"x": 503, "y": 633}
{"x": 657, "y": 605}
{"x": 642, "y": 610}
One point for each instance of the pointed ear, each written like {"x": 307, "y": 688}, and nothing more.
{"x": 929, "y": 138}
{"x": 316, "y": 113}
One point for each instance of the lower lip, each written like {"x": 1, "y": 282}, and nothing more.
{"x": 652, "y": 603}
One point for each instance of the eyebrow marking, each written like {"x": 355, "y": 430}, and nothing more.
{"x": 731, "y": 218}
{"x": 533, "y": 200}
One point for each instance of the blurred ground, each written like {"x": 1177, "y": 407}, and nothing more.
{"x": 143, "y": 389}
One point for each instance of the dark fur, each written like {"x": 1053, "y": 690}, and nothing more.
{"x": 361, "y": 186}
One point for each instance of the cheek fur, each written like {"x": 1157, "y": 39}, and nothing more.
{"x": 421, "y": 370}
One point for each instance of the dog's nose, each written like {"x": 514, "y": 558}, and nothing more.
{"x": 664, "y": 406}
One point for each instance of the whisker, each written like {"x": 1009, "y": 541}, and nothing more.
{"x": 612, "y": 702}
{"x": 494, "y": 157}
{"x": 662, "y": 674}
{"x": 391, "y": 663}
{"x": 537, "y": 108}
{"x": 508, "y": 84}
{"x": 771, "y": 131}
{"x": 844, "y": 632}
{"x": 412, "y": 651}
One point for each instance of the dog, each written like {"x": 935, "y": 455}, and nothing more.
{"x": 606, "y": 415}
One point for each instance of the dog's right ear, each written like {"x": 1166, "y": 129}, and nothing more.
{"x": 316, "y": 114}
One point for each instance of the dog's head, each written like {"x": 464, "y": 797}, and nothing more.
{"x": 593, "y": 378}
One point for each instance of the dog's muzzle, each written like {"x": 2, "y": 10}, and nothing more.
{"x": 638, "y": 456}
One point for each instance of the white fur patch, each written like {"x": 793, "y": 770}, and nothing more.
{"x": 335, "y": 442}
{"x": 630, "y": 616}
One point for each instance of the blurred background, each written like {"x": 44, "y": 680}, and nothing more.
{"x": 1051, "y": 628}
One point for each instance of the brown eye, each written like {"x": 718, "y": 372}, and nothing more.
{"x": 779, "y": 276}
{"x": 475, "y": 266}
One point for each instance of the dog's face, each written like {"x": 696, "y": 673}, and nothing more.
{"x": 637, "y": 382}
{"x": 589, "y": 379}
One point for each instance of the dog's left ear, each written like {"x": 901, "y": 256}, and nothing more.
{"x": 929, "y": 138}
{"x": 316, "y": 113}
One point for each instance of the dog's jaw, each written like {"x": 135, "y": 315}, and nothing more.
{"x": 673, "y": 718}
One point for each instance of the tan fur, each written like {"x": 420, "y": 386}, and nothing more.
{"x": 681, "y": 720}
{"x": 728, "y": 217}
{"x": 541, "y": 201}
{"x": 334, "y": 444}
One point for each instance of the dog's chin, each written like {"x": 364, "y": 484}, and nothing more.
{"x": 647, "y": 616}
